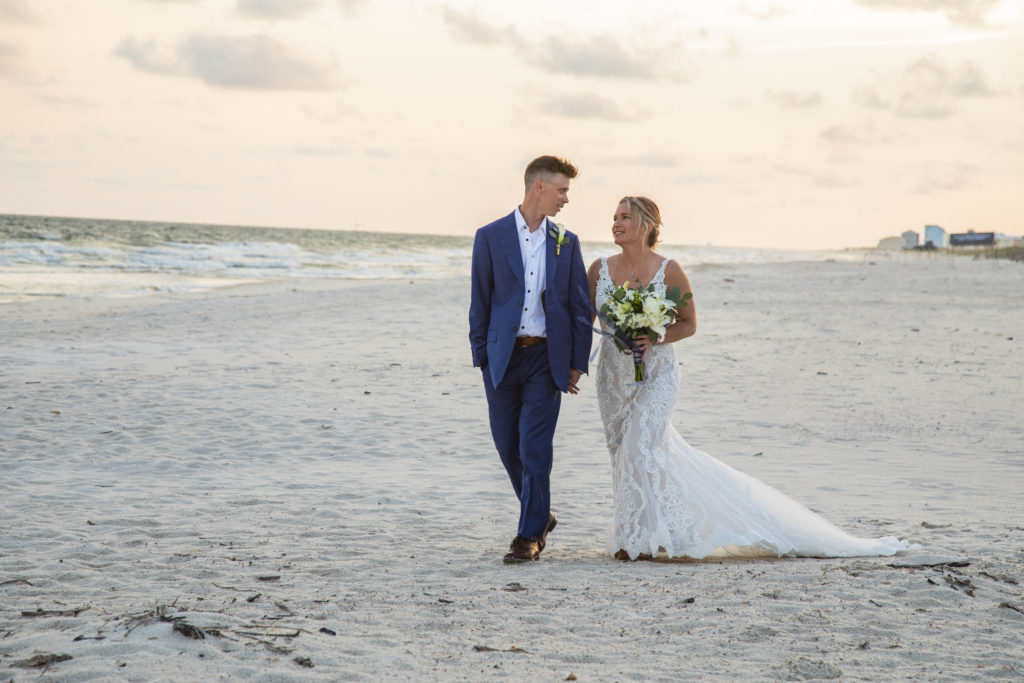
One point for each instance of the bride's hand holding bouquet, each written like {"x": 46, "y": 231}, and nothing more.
{"x": 641, "y": 317}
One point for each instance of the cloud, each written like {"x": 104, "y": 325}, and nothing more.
{"x": 147, "y": 55}
{"x": 599, "y": 56}
{"x": 764, "y": 11}
{"x": 332, "y": 113}
{"x": 823, "y": 179}
{"x": 603, "y": 56}
{"x": 854, "y": 136}
{"x": 322, "y": 150}
{"x": 277, "y": 9}
{"x": 967, "y": 12}
{"x": 651, "y": 159}
{"x": 789, "y": 99}
{"x": 8, "y": 55}
{"x": 831, "y": 180}
{"x": 586, "y": 106}
{"x": 948, "y": 177}
{"x": 17, "y": 12}
{"x": 926, "y": 89}
{"x": 66, "y": 102}
{"x": 257, "y": 62}
{"x": 469, "y": 29}
{"x": 350, "y": 6}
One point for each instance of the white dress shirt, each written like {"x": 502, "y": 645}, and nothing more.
{"x": 531, "y": 246}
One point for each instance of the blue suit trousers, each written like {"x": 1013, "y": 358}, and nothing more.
{"x": 523, "y": 412}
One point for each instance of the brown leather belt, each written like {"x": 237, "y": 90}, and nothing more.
{"x": 523, "y": 342}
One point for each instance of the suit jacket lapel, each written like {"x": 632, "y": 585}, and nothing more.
{"x": 510, "y": 245}
{"x": 551, "y": 262}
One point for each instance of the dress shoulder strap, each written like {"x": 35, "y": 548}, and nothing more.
{"x": 660, "y": 275}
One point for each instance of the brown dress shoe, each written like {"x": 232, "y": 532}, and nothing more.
{"x": 552, "y": 523}
{"x": 522, "y": 550}
{"x": 621, "y": 554}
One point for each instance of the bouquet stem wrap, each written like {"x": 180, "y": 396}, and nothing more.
{"x": 639, "y": 371}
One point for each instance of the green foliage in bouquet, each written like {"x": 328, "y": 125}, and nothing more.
{"x": 632, "y": 312}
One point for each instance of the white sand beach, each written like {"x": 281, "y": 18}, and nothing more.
{"x": 295, "y": 481}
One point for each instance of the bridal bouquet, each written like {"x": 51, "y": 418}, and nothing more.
{"x": 633, "y": 312}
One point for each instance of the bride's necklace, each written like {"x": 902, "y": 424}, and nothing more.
{"x": 633, "y": 269}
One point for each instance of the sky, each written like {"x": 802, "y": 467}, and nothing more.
{"x": 780, "y": 123}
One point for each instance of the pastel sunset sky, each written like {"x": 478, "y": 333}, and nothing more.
{"x": 781, "y": 123}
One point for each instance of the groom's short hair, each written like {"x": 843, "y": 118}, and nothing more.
{"x": 548, "y": 166}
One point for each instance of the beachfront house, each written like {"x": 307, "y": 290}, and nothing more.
{"x": 909, "y": 239}
{"x": 893, "y": 243}
{"x": 935, "y": 235}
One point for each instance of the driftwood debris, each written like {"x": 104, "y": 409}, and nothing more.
{"x": 1009, "y": 605}
{"x": 11, "y": 581}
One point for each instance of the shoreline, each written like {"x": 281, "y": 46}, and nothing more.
{"x": 168, "y": 284}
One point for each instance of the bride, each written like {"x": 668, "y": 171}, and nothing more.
{"x": 669, "y": 496}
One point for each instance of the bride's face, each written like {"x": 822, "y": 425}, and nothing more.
{"x": 625, "y": 226}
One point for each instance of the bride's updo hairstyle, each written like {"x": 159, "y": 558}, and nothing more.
{"x": 649, "y": 215}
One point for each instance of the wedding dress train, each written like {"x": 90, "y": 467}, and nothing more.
{"x": 670, "y": 496}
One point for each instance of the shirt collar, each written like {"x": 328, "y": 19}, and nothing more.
{"x": 521, "y": 222}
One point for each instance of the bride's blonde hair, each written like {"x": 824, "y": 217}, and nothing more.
{"x": 649, "y": 215}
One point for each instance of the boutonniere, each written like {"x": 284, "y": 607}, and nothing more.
{"x": 558, "y": 233}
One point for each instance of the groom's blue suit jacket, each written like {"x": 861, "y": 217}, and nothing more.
{"x": 499, "y": 288}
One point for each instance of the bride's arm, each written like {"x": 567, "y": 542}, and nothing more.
{"x": 593, "y": 272}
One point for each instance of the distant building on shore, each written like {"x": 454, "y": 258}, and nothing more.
{"x": 972, "y": 239}
{"x": 890, "y": 243}
{"x": 935, "y": 235}
{"x": 937, "y": 238}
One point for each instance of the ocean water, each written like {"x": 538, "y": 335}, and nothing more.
{"x": 43, "y": 257}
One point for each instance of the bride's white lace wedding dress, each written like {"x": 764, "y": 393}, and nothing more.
{"x": 671, "y": 496}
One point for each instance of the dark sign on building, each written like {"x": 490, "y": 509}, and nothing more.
{"x": 971, "y": 239}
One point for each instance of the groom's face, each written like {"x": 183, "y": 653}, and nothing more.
{"x": 554, "y": 193}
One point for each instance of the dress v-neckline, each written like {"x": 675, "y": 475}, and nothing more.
{"x": 654, "y": 279}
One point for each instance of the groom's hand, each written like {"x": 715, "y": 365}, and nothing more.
{"x": 574, "y": 377}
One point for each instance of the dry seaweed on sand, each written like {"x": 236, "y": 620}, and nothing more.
{"x": 487, "y": 648}
{"x": 1010, "y": 605}
{"x": 41, "y": 661}
{"x": 54, "y": 612}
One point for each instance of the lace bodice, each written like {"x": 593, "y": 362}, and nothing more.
{"x": 605, "y": 284}
{"x": 660, "y": 360}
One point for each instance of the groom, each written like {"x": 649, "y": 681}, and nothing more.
{"x": 529, "y": 327}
